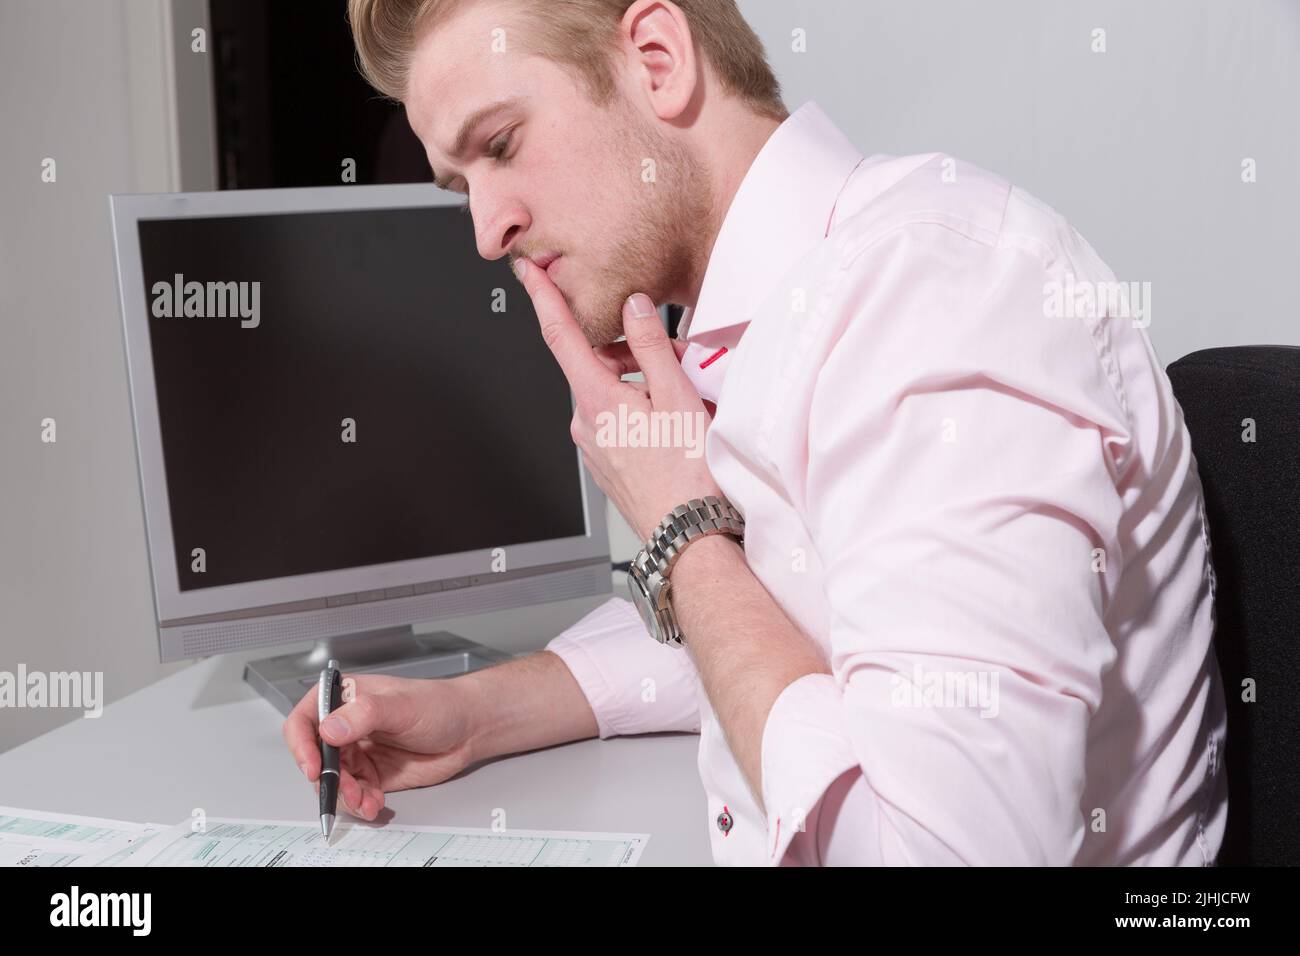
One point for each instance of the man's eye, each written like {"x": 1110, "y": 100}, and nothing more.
{"x": 496, "y": 149}
{"x": 499, "y": 145}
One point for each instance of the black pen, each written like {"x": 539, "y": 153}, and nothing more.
{"x": 329, "y": 696}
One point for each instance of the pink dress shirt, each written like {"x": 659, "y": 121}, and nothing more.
{"x": 986, "y": 514}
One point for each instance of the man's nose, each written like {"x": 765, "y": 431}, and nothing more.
{"x": 497, "y": 226}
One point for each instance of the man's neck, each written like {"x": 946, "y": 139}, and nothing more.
{"x": 729, "y": 158}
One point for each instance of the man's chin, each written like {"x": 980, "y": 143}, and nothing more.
{"x": 598, "y": 337}
{"x": 597, "y": 333}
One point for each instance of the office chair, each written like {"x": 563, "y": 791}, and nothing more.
{"x": 1252, "y": 501}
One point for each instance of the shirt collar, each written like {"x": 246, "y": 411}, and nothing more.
{"x": 782, "y": 208}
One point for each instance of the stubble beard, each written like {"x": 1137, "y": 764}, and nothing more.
{"x": 661, "y": 241}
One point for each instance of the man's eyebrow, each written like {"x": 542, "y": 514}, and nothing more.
{"x": 472, "y": 122}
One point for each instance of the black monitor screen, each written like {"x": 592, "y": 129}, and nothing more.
{"x": 351, "y": 388}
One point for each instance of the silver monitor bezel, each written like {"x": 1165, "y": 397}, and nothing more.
{"x": 171, "y": 604}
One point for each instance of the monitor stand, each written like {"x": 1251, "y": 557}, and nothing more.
{"x": 395, "y": 651}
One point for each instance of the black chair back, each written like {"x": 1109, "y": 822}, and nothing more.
{"x": 1242, "y": 408}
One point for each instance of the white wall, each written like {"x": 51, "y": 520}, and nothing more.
{"x": 1140, "y": 146}
{"x": 79, "y": 83}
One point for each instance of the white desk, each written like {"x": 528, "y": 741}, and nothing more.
{"x": 203, "y": 738}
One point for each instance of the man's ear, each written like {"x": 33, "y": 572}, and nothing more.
{"x": 657, "y": 40}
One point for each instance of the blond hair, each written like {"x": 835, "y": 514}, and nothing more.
{"x": 577, "y": 34}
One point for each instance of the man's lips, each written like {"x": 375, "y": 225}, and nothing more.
{"x": 544, "y": 262}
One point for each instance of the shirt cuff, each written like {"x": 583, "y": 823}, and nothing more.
{"x": 634, "y": 684}
{"x": 805, "y": 749}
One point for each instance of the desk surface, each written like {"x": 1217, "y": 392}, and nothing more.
{"x": 203, "y": 738}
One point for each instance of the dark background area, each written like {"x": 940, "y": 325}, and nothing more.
{"x": 291, "y": 104}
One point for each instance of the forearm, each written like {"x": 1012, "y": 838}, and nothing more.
{"x": 746, "y": 649}
{"x": 524, "y": 704}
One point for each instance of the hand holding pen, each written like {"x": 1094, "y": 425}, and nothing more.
{"x": 399, "y": 733}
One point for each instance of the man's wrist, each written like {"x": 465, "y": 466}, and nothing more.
{"x": 703, "y": 558}
{"x": 471, "y": 695}
{"x": 522, "y": 704}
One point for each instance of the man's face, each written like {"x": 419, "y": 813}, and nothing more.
{"x": 572, "y": 177}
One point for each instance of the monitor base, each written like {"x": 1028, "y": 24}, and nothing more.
{"x": 395, "y": 651}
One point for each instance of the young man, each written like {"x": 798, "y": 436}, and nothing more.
{"x": 970, "y": 620}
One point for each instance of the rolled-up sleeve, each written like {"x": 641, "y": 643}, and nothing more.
{"x": 961, "y": 498}
{"x": 634, "y": 684}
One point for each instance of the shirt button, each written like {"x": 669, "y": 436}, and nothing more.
{"x": 724, "y": 821}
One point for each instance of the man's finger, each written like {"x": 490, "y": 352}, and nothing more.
{"x": 650, "y": 346}
{"x": 560, "y": 332}
{"x": 300, "y": 735}
{"x": 619, "y": 358}
{"x": 353, "y": 794}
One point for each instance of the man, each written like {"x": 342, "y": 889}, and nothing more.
{"x": 970, "y": 619}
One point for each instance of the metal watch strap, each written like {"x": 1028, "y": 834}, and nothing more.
{"x": 698, "y": 518}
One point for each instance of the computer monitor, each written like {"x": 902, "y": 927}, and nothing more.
{"x": 346, "y": 423}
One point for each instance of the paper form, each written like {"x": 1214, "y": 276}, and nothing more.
{"x": 36, "y": 838}
{"x": 275, "y": 843}
{"x": 124, "y": 856}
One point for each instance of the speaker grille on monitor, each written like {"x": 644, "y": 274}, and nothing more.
{"x": 206, "y": 639}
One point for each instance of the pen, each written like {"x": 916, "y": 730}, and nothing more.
{"x": 329, "y": 695}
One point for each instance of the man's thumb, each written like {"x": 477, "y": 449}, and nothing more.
{"x": 354, "y": 721}
{"x": 656, "y": 355}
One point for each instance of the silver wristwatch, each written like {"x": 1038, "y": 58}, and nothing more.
{"x": 647, "y": 578}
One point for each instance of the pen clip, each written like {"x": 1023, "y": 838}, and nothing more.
{"x": 325, "y": 689}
